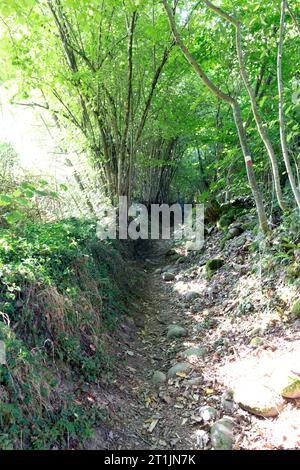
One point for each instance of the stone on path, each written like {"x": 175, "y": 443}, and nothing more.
{"x": 208, "y": 413}
{"x": 256, "y": 341}
{"x": 258, "y": 399}
{"x": 167, "y": 276}
{"x": 193, "y": 351}
{"x": 221, "y": 434}
{"x": 291, "y": 386}
{"x": 176, "y": 331}
{"x": 159, "y": 377}
{"x": 189, "y": 296}
{"x": 181, "y": 368}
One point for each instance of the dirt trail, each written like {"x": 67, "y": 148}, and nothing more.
{"x": 179, "y": 414}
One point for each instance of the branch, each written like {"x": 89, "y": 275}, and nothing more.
{"x": 32, "y": 105}
{"x": 200, "y": 72}
{"x": 152, "y": 90}
{"x": 295, "y": 21}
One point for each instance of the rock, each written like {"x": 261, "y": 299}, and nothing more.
{"x": 171, "y": 252}
{"x": 181, "y": 367}
{"x": 233, "y": 232}
{"x": 176, "y": 331}
{"x": 221, "y": 434}
{"x": 212, "y": 265}
{"x": 167, "y": 276}
{"x": 180, "y": 260}
{"x": 193, "y": 351}
{"x": 296, "y": 309}
{"x": 208, "y": 413}
{"x": 293, "y": 272}
{"x": 227, "y": 405}
{"x": 188, "y": 296}
{"x": 195, "y": 381}
{"x": 157, "y": 271}
{"x": 256, "y": 341}
{"x": 297, "y": 323}
{"x": 159, "y": 377}
{"x": 291, "y": 387}
{"x": 256, "y": 398}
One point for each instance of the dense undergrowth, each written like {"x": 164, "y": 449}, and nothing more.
{"x": 61, "y": 291}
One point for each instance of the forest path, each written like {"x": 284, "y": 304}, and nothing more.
{"x": 160, "y": 412}
{"x": 183, "y": 410}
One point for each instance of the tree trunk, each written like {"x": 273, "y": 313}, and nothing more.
{"x": 262, "y": 132}
{"x": 237, "y": 118}
{"x": 281, "y": 108}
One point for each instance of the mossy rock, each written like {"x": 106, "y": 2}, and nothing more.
{"x": 292, "y": 389}
{"x": 159, "y": 377}
{"x": 296, "y": 309}
{"x": 258, "y": 399}
{"x": 256, "y": 341}
{"x": 176, "y": 331}
{"x": 212, "y": 265}
{"x": 221, "y": 434}
{"x": 224, "y": 221}
{"x": 293, "y": 271}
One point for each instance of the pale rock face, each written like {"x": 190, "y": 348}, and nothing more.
{"x": 258, "y": 399}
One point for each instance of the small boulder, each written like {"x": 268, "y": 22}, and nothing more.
{"x": 297, "y": 323}
{"x": 159, "y": 377}
{"x": 208, "y": 413}
{"x": 167, "y": 276}
{"x": 256, "y": 341}
{"x": 233, "y": 232}
{"x": 193, "y": 351}
{"x": 258, "y": 399}
{"x": 291, "y": 387}
{"x": 221, "y": 434}
{"x": 189, "y": 296}
{"x": 180, "y": 368}
{"x": 176, "y": 331}
{"x": 227, "y": 405}
{"x": 296, "y": 309}
{"x": 212, "y": 265}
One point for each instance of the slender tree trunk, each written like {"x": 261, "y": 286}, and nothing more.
{"x": 281, "y": 108}
{"x": 260, "y": 126}
{"x": 237, "y": 117}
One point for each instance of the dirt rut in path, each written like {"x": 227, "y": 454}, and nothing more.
{"x": 181, "y": 412}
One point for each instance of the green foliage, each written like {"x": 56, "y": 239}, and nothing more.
{"x": 296, "y": 309}
{"x": 212, "y": 265}
{"x": 60, "y": 291}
